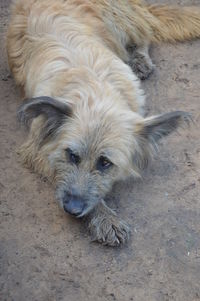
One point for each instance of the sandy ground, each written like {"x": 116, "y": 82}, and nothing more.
{"x": 47, "y": 255}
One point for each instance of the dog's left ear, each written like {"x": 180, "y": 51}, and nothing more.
{"x": 54, "y": 111}
{"x": 156, "y": 127}
{"x": 152, "y": 129}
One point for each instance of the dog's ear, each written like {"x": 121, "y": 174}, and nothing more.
{"x": 152, "y": 129}
{"x": 156, "y": 127}
{"x": 54, "y": 111}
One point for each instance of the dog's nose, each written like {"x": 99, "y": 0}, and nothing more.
{"x": 73, "y": 205}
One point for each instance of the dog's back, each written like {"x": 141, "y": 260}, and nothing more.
{"x": 115, "y": 24}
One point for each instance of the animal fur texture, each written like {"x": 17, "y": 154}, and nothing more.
{"x": 78, "y": 63}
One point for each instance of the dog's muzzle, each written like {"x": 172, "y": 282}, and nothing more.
{"x": 73, "y": 204}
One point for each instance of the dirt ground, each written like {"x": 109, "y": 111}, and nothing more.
{"x": 47, "y": 255}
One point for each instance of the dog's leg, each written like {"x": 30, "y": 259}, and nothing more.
{"x": 106, "y": 227}
{"x": 140, "y": 61}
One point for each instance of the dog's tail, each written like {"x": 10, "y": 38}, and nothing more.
{"x": 173, "y": 23}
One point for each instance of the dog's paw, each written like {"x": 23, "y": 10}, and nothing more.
{"x": 141, "y": 66}
{"x": 109, "y": 230}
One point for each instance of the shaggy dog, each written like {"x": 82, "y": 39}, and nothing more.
{"x": 78, "y": 63}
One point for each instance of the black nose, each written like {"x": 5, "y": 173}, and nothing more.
{"x": 73, "y": 204}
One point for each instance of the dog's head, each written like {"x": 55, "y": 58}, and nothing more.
{"x": 89, "y": 147}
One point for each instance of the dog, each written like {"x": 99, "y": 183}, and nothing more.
{"x": 78, "y": 63}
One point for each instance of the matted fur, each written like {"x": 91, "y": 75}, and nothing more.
{"x": 78, "y": 63}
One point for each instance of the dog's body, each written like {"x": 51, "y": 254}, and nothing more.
{"x": 74, "y": 60}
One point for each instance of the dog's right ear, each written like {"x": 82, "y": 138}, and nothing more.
{"x": 54, "y": 111}
{"x": 44, "y": 105}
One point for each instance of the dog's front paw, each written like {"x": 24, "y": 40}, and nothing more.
{"x": 109, "y": 230}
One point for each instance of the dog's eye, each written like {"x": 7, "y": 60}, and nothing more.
{"x": 103, "y": 163}
{"x": 74, "y": 158}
